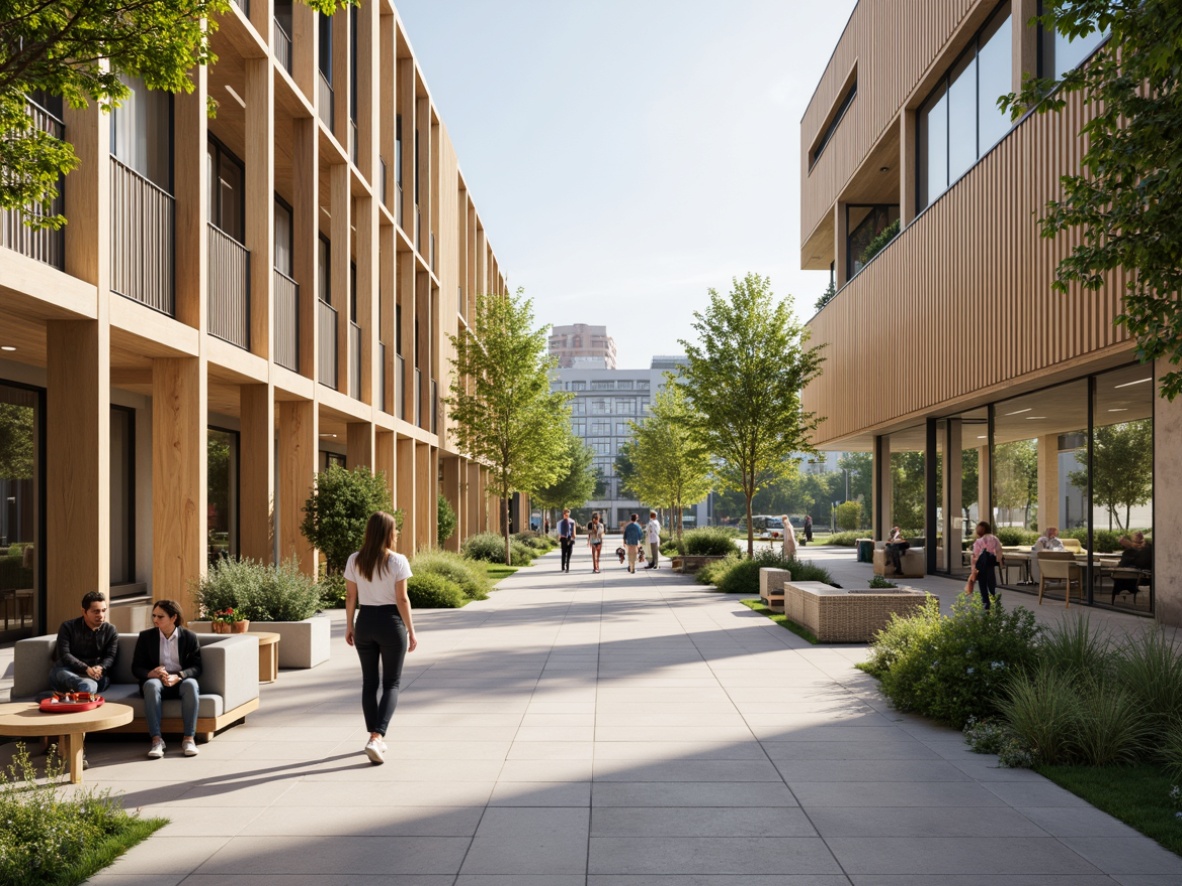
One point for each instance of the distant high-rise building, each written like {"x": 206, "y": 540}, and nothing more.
{"x": 580, "y": 346}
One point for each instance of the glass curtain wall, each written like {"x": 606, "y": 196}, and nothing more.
{"x": 20, "y": 510}
{"x": 908, "y": 481}
{"x": 222, "y": 452}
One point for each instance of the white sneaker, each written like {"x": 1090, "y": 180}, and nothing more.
{"x": 375, "y": 749}
{"x": 156, "y": 751}
{"x": 189, "y": 746}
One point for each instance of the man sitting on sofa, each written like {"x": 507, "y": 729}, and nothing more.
{"x": 86, "y": 648}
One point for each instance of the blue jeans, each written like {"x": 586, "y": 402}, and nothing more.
{"x": 154, "y": 691}
{"x": 64, "y": 680}
{"x": 379, "y": 637}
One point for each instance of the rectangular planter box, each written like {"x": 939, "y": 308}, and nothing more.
{"x": 771, "y": 587}
{"x": 837, "y": 615}
{"x": 302, "y": 644}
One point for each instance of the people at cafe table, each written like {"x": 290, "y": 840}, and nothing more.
{"x": 1137, "y": 553}
{"x": 1050, "y": 541}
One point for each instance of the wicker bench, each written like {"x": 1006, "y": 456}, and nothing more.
{"x": 837, "y": 615}
{"x": 771, "y": 587}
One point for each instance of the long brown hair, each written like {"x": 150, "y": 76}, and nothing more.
{"x": 379, "y": 538}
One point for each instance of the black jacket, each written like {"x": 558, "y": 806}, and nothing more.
{"x": 147, "y": 654}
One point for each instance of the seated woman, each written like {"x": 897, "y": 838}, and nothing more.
{"x": 167, "y": 662}
{"x": 1137, "y": 554}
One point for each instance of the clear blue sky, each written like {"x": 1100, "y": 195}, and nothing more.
{"x": 626, "y": 157}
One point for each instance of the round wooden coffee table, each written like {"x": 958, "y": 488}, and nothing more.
{"x": 25, "y": 720}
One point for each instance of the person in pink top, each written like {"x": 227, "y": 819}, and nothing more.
{"x": 987, "y": 556}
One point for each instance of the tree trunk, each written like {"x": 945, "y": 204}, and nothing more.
{"x": 750, "y": 526}
{"x": 505, "y": 528}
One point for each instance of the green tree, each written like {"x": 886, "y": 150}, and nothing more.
{"x": 625, "y": 465}
{"x": 1015, "y": 477}
{"x": 338, "y": 507}
{"x": 576, "y": 484}
{"x": 827, "y": 295}
{"x": 670, "y": 465}
{"x": 16, "y": 441}
{"x": 505, "y": 414}
{"x": 848, "y": 516}
{"x": 743, "y": 381}
{"x": 79, "y": 50}
{"x": 445, "y": 519}
{"x": 860, "y": 466}
{"x": 908, "y": 488}
{"x": 1122, "y": 468}
{"x": 1121, "y": 209}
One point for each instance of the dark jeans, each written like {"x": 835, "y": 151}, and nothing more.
{"x": 568, "y": 546}
{"x": 894, "y": 551}
{"x": 987, "y": 577}
{"x": 380, "y": 639}
{"x": 62, "y": 679}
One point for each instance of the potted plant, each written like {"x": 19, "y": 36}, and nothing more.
{"x": 229, "y": 621}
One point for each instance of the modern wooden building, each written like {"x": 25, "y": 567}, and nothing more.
{"x": 982, "y": 393}
{"x": 236, "y": 302}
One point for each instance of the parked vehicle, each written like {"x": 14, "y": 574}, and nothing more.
{"x": 767, "y": 527}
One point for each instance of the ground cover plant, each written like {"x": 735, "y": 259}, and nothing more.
{"x": 49, "y": 839}
{"x": 782, "y": 620}
{"x": 840, "y": 539}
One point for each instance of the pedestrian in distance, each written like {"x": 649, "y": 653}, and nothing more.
{"x": 567, "y": 530}
{"x": 633, "y": 536}
{"x": 595, "y": 533}
{"x": 987, "y": 556}
{"x": 808, "y": 528}
{"x": 788, "y": 542}
{"x": 375, "y": 588}
{"x": 653, "y": 535}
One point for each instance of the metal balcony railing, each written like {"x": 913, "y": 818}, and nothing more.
{"x": 327, "y": 350}
{"x": 42, "y": 244}
{"x": 229, "y": 288}
{"x": 287, "y": 321}
{"x": 282, "y": 46}
{"x": 326, "y": 100}
{"x": 399, "y": 389}
{"x": 354, "y": 360}
{"x": 142, "y": 226}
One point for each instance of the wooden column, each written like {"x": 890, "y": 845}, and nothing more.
{"x": 179, "y": 493}
{"x": 256, "y": 484}
{"x": 78, "y": 464}
{"x": 1048, "y": 482}
{"x": 359, "y": 443}
{"x": 407, "y": 494}
{"x": 453, "y": 481}
{"x": 305, "y": 233}
{"x": 424, "y": 498}
{"x": 405, "y": 85}
{"x": 341, "y": 235}
{"x": 191, "y": 189}
{"x": 260, "y": 199}
{"x": 298, "y": 450}
{"x": 385, "y": 463}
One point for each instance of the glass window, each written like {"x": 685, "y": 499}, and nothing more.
{"x": 20, "y": 494}
{"x": 578, "y": 386}
{"x": 283, "y": 238}
{"x": 626, "y": 406}
{"x": 325, "y": 46}
{"x": 624, "y": 385}
{"x": 227, "y": 180}
{"x": 324, "y": 267}
{"x": 599, "y": 385}
{"x": 1061, "y": 54}
{"x": 599, "y": 406}
{"x": 122, "y": 505}
{"x": 996, "y": 78}
{"x": 866, "y": 225}
{"x": 962, "y": 115}
{"x": 908, "y": 482}
{"x": 283, "y": 16}
{"x": 579, "y": 407}
{"x": 222, "y": 526}
{"x": 933, "y": 147}
{"x": 141, "y": 133}
{"x": 642, "y": 386}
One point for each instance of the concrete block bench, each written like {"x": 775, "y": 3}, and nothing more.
{"x": 771, "y": 587}
{"x": 914, "y": 561}
{"x": 839, "y": 615}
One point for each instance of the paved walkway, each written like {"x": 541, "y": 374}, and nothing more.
{"x": 608, "y": 730}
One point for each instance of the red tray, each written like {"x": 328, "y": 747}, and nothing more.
{"x": 52, "y": 706}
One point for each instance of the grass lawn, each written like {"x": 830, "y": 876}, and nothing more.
{"x": 497, "y": 571}
{"x": 95, "y": 858}
{"x": 1137, "y": 795}
{"x": 781, "y": 619}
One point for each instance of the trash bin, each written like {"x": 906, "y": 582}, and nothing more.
{"x": 865, "y": 550}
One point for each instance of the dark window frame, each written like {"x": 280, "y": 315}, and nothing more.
{"x": 831, "y": 129}
{"x": 223, "y": 154}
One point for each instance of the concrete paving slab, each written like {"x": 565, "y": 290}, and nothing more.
{"x": 943, "y": 856}
{"x": 748, "y": 821}
{"x": 724, "y": 855}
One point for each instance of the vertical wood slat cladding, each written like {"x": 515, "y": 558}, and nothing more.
{"x": 893, "y": 44}
{"x": 961, "y": 302}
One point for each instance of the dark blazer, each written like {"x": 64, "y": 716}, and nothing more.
{"x": 147, "y": 654}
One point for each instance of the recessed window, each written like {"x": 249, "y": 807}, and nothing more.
{"x": 835, "y": 116}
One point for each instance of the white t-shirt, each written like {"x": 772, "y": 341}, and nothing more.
{"x": 380, "y": 591}
{"x": 654, "y": 531}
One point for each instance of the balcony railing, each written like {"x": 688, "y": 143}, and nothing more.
{"x": 43, "y": 244}
{"x": 229, "y": 288}
{"x": 327, "y": 351}
{"x": 282, "y": 46}
{"x": 399, "y": 390}
{"x": 354, "y": 360}
{"x": 383, "y": 377}
{"x": 287, "y": 321}
{"x": 326, "y": 99}
{"x": 142, "y": 224}
{"x": 418, "y": 398}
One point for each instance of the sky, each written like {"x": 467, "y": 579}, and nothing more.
{"x": 627, "y": 157}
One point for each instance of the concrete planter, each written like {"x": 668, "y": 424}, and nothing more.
{"x": 302, "y": 644}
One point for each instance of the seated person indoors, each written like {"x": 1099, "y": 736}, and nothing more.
{"x": 1137, "y": 554}
{"x": 895, "y": 547}
{"x": 1050, "y": 541}
{"x": 86, "y": 648}
{"x": 167, "y": 662}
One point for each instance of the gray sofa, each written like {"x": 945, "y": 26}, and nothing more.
{"x": 229, "y": 681}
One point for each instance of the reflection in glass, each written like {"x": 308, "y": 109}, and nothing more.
{"x": 19, "y": 473}
{"x": 908, "y": 481}
{"x": 962, "y": 116}
{"x": 933, "y": 147}
{"x": 995, "y": 79}
{"x": 222, "y": 525}
{"x": 1061, "y": 54}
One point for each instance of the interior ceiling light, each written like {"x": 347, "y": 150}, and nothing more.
{"x": 982, "y": 437}
{"x": 328, "y": 435}
{"x": 1118, "y": 410}
{"x": 7, "y": 347}
{"x": 1035, "y": 417}
{"x": 1129, "y": 384}
{"x": 884, "y": 169}
{"x": 1020, "y": 411}
{"x": 235, "y": 96}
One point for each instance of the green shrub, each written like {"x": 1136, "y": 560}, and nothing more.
{"x": 1103, "y": 540}
{"x": 332, "y": 591}
{"x": 534, "y": 540}
{"x": 708, "y": 541}
{"x": 445, "y": 519}
{"x": 953, "y": 668}
{"x": 1043, "y": 709}
{"x": 485, "y": 546}
{"x": 712, "y": 573}
{"x": 879, "y": 582}
{"x": 1150, "y": 667}
{"x": 1015, "y": 536}
{"x": 807, "y": 570}
{"x": 258, "y": 591}
{"x": 1112, "y": 728}
{"x": 1171, "y": 750}
{"x": 848, "y": 516}
{"x": 339, "y": 506}
{"x": 843, "y": 539}
{"x": 670, "y": 549}
{"x": 521, "y": 553}
{"x": 986, "y": 736}
{"x": 1072, "y": 647}
{"x": 430, "y": 590}
{"x": 471, "y": 577}
{"x": 743, "y": 576}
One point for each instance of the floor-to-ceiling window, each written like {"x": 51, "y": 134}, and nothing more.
{"x": 908, "y": 481}
{"x": 121, "y": 520}
{"x": 20, "y": 510}
{"x": 222, "y": 527}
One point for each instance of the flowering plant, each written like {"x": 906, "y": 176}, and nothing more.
{"x": 227, "y": 616}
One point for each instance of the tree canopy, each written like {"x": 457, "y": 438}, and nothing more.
{"x": 337, "y": 509}
{"x": 1122, "y": 462}
{"x": 576, "y": 484}
{"x": 742, "y": 383}
{"x": 500, "y": 400}
{"x": 79, "y": 50}
{"x": 1122, "y": 208}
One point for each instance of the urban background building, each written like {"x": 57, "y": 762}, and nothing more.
{"x": 237, "y": 302}
{"x": 580, "y": 346}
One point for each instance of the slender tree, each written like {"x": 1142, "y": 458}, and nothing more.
{"x": 1122, "y": 207}
{"x": 500, "y": 399}
{"x": 576, "y": 484}
{"x": 1123, "y": 468}
{"x": 79, "y": 50}
{"x": 743, "y": 381}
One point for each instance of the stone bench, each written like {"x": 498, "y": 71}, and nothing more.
{"x": 838, "y": 615}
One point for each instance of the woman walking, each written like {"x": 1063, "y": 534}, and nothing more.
{"x": 595, "y": 533}
{"x": 375, "y": 583}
